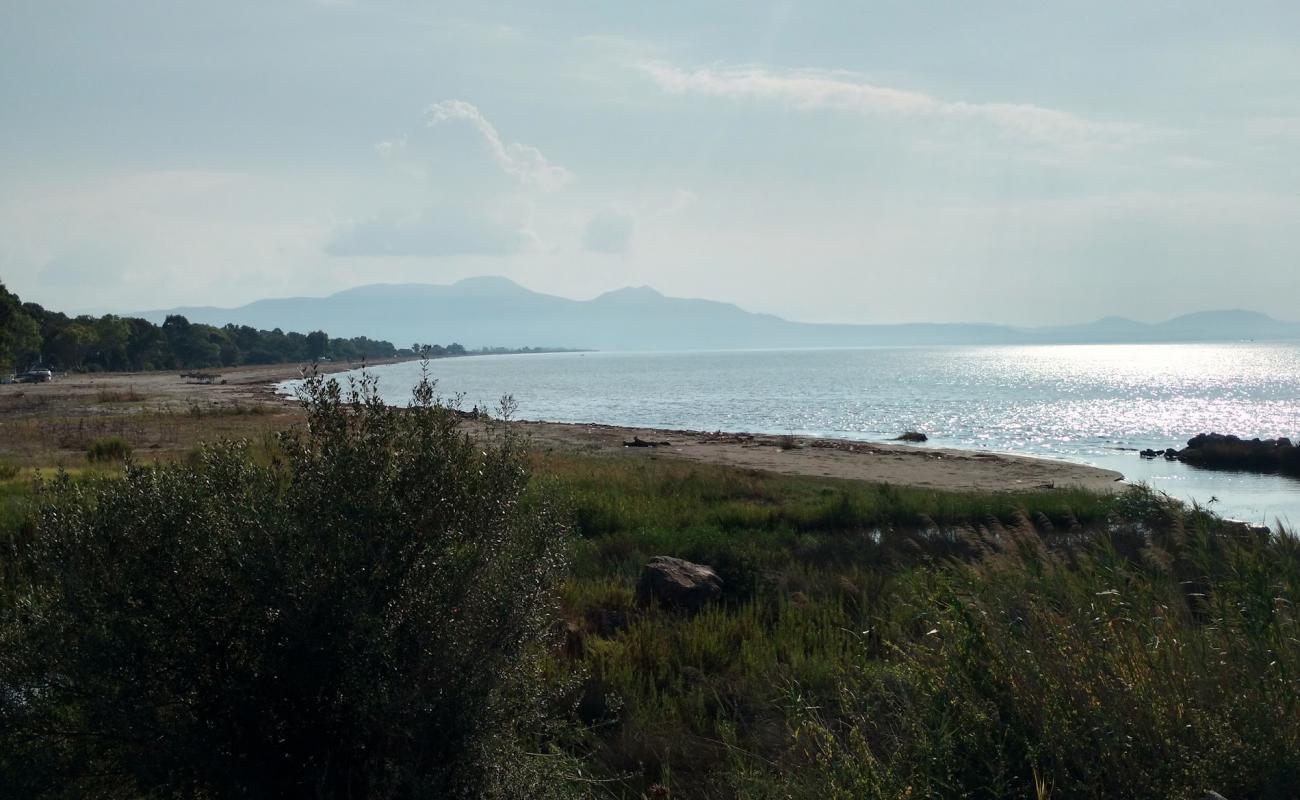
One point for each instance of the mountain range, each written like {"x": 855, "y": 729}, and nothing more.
{"x": 493, "y": 311}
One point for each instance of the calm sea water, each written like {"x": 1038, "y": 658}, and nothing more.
{"x": 1088, "y": 403}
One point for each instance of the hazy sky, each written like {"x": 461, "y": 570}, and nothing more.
{"x": 1021, "y": 162}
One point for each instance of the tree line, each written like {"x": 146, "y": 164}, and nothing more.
{"x": 32, "y": 335}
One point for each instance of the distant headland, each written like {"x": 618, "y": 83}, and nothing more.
{"x": 491, "y": 310}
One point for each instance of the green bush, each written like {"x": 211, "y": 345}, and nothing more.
{"x": 8, "y": 471}
{"x": 108, "y": 448}
{"x": 359, "y": 618}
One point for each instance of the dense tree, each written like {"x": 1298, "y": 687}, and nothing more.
{"x": 68, "y": 346}
{"x": 20, "y": 335}
{"x": 146, "y": 348}
{"x": 109, "y": 350}
{"x": 31, "y": 334}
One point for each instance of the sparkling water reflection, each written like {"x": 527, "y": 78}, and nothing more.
{"x": 1080, "y": 402}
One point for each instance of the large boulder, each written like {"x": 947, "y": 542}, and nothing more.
{"x": 678, "y": 584}
{"x": 1217, "y": 451}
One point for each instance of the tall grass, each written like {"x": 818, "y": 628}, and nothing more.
{"x": 875, "y": 641}
{"x": 109, "y": 448}
{"x": 128, "y": 395}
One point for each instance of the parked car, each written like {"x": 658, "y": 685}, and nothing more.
{"x": 36, "y": 376}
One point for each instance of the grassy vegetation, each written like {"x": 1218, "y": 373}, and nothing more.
{"x": 884, "y": 642}
{"x": 108, "y": 448}
{"x": 877, "y": 641}
{"x": 154, "y": 432}
{"x": 128, "y": 395}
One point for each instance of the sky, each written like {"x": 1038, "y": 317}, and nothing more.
{"x": 1010, "y": 162}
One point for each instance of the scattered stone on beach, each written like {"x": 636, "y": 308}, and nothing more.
{"x": 912, "y": 436}
{"x": 677, "y": 584}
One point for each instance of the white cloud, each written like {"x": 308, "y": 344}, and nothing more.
{"x": 814, "y": 89}
{"x": 522, "y": 162}
{"x": 457, "y": 191}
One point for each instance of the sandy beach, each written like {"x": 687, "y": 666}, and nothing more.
{"x": 102, "y": 396}
{"x": 909, "y": 465}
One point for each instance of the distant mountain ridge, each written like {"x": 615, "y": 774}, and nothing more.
{"x": 495, "y": 311}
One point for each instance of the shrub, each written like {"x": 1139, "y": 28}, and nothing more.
{"x": 129, "y": 395}
{"x": 109, "y": 448}
{"x": 358, "y": 618}
{"x": 8, "y": 471}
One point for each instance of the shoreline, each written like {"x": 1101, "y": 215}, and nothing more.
{"x": 948, "y": 469}
{"x": 83, "y": 395}
{"x": 937, "y": 468}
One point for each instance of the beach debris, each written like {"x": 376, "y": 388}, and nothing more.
{"x": 637, "y": 441}
{"x": 677, "y": 584}
{"x": 912, "y": 436}
{"x": 197, "y": 376}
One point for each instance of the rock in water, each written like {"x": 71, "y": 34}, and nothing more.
{"x": 912, "y": 436}
{"x": 1217, "y": 451}
{"x": 677, "y": 583}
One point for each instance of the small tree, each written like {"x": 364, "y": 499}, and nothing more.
{"x": 356, "y": 619}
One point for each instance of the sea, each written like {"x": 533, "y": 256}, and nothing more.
{"x": 1093, "y": 404}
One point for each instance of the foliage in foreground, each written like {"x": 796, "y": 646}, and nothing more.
{"x": 367, "y": 616}
{"x": 884, "y": 642}
{"x": 359, "y": 619}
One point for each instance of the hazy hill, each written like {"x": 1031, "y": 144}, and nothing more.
{"x": 498, "y": 312}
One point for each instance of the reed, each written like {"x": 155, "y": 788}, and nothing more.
{"x": 876, "y": 641}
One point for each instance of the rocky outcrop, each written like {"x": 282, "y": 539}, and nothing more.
{"x": 1220, "y": 451}
{"x": 677, "y": 584}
